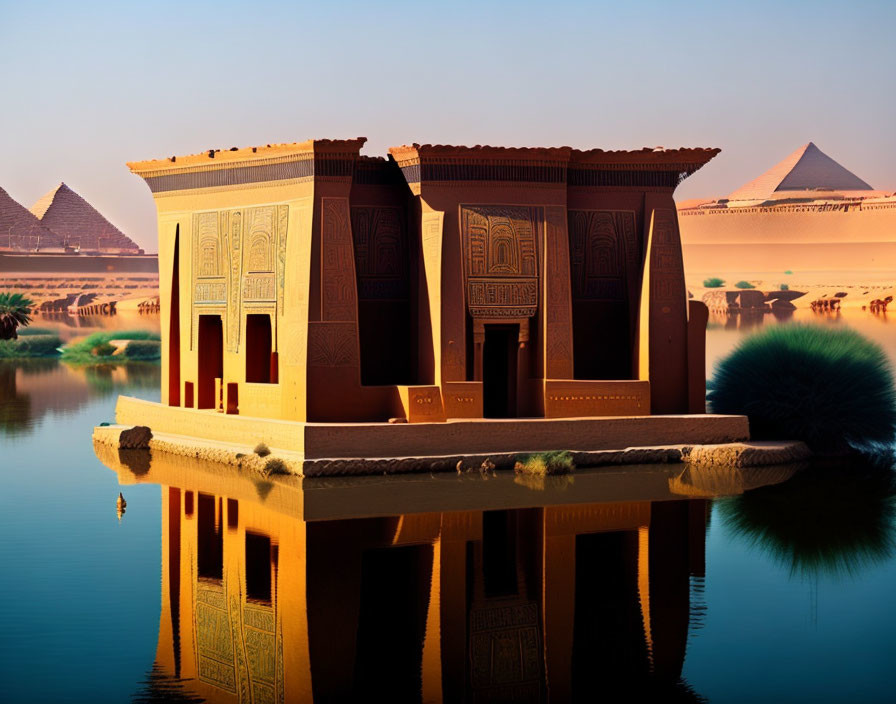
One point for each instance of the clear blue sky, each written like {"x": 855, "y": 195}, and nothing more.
{"x": 87, "y": 86}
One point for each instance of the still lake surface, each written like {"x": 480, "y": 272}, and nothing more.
{"x": 612, "y": 585}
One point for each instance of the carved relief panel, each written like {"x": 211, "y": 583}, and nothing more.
{"x": 259, "y": 255}
{"x": 235, "y": 262}
{"x": 558, "y": 321}
{"x": 209, "y": 284}
{"x": 381, "y": 256}
{"x": 667, "y": 269}
{"x": 333, "y": 341}
{"x": 500, "y": 260}
{"x": 337, "y": 261}
{"x": 604, "y": 255}
{"x": 239, "y": 256}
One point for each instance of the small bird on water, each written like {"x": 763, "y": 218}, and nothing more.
{"x": 120, "y": 506}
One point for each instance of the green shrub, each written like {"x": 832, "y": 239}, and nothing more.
{"x": 830, "y": 388}
{"x": 546, "y": 463}
{"x": 836, "y": 520}
{"x": 744, "y": 284}
{"x": 82, "y": 352}
{"x": 143, "y": 350}
{"x": 104, "y": 349}
{"x": 713, "y": 282}
{"x": 262, "y": 450}
{"x": 788, "y": 272}
{"x": 30, "y": 346}
{"x": 783, "y": 287}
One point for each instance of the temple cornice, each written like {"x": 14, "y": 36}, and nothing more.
{"x": 647, "y": 167}
{"x": 217, "y": 168}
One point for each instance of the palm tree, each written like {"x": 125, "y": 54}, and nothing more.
{"x": 14, "y": 309}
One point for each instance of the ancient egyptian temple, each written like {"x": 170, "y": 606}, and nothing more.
{"x": 306, "y": 282}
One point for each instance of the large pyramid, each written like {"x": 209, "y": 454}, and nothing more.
{"x": 20, "y": 230}
{"x": 807, "y": 169}
{"x": 79, "y": 223}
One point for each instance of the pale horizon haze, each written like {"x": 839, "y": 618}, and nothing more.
{"x": 88, "y": 86}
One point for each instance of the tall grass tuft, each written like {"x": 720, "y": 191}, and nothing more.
{"x": 543, "y": 464}
{"x": 831, "y": 388}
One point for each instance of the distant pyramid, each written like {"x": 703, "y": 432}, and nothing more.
{"x": 79, "y": 223}
{"x": 20, "y": 230}
{"x": 807, "y": 169}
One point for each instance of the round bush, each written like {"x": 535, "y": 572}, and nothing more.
{"x": 143, "y": 350}
{"x": 830, "y": 388}
{"x": 831, "y": 519}
{"x": 713, "y": 282}
{"x": 744, "y": 284}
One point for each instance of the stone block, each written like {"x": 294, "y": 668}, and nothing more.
{"x": 136, "y": 438}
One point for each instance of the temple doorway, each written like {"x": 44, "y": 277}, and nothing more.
{"x": 499, "y": 371}
{"x": 211, "y": 358}
{"x": 261, "y": 362}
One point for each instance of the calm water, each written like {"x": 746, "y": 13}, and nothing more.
{"x": 614, "y": 584}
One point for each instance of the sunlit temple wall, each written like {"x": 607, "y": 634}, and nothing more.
{"x": 529, "y": 605}
{"x": 306, "y": 282}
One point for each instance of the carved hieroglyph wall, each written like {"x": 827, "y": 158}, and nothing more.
{"x": 663, "y": 351}
{"x": 381, "y": 252}
{"x": 239, "y": 266}
{"x": 500, "y": 260}
{"x": 333, "y": 341}
{"x": 605, "y": 255}
{"x": 557, "y": 322}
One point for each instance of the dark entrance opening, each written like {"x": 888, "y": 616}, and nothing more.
{"x": 258, "y": 568}
{"x": 260, "y": 360}
{"x": 210, "y": 552}
{"x": 499, "y": 355}
{"x": 394, "y": 597}
{"x": 174, "y": 328}
{"x": 499, "y": 554}
{"x": 211, "y": 358}
{"x": 609, "y": 650}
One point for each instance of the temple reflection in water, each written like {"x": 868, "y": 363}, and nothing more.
{"x": 539, "y": 604}
{"x": 284, "y": 589}
{"x": 461, "y": 606}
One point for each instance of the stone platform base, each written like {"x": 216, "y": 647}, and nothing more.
{"x": 347, "y": 448}
{"x": 726, "y": 456}
{"x": 336, "y": 498}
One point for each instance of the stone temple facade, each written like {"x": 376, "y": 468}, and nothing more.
{"x": 306, "y": 282}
